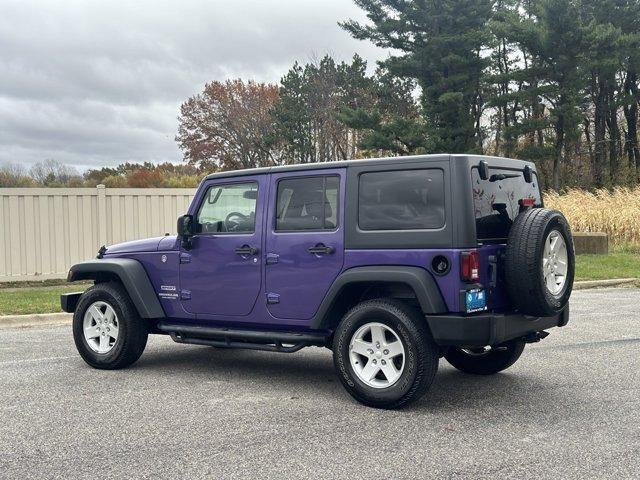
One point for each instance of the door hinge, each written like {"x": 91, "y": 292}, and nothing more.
{"x": 273, "y": 298}
{"x": 185, "y": 257}
{"x": 185, "y": 294}
{"x": 272, "y": 258}
{"x": 493, "y": 270}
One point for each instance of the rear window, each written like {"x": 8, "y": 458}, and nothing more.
{"x": 401, "y": 200}
{"x": 495, "y": 200}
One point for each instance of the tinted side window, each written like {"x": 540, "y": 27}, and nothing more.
{"x": 401, "y": 200}
{"x": 307, "y": 203}
{"x": 228, "y": 209}
{"x": 495, "y": 200}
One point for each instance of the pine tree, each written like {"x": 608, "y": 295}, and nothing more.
{"x": 440, "y": 44}
{"x": 307, "y": 121}
{"x": 602, "y": 65}
{"x": 549, "y": 73}
{"x": 292, "y": 117}
{"x": 390, "y": 123}
{"x": 628, "y": 19}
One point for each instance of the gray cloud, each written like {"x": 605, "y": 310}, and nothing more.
{"x": 95, "y": 83}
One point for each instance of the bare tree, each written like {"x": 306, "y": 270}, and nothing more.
{"x": 51, "y": 172}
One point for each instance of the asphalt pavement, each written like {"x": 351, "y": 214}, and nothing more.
{"x": 569, "y": 408}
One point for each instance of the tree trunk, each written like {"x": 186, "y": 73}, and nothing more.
{"x": 538, "y": 113}
{"x": 631, "y": 117}
{"x": 587, "y": 136}
{"x": 557, "y": 157}
{"x": 614, "y": 134}
{"x": 599, "y": 121}
{"x": 498, "y": 134}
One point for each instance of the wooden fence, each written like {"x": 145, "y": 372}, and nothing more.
{"x": 45, "y": 230}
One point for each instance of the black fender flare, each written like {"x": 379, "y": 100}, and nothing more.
{"x": 133, "y": 276}
{"x": 419, "y": 279}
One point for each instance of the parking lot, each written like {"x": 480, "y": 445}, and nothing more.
{"x": 570, "y": 408}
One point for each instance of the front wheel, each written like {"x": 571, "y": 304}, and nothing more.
{"x": 384, "y": 354}
{"x": 485, "y": 360}
{"x": 107, "y": 329}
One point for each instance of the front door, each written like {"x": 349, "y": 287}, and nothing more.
{"x": 221, "y": 273}
{"x": 305, "y": 241}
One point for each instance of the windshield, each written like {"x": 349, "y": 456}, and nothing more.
{"x": 496, "y": 201}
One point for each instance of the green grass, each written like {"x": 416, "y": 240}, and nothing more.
{"x": 21, "y": 301}
{"x": 621, "y": 263}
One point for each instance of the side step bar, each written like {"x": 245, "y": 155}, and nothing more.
{"x": 286, "y": 342}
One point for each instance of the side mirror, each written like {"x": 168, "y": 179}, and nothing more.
{"x": 185, "y": 229}
{"x": 185, "y": 226}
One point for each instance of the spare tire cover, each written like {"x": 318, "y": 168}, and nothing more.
{"x": 540, "y": 262}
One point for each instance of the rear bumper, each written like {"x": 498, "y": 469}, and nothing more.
{"x": 489, "y": 329}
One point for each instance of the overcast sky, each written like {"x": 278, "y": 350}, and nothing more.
{"x": 96, "y": 83}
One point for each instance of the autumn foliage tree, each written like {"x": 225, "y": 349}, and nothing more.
{"x": 229, "y": 125}
{"x": 146, "y": 175}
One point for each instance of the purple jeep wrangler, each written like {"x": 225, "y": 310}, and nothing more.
{"x": 390, "y": 263}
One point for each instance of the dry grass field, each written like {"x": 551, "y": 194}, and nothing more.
{"x": 615, "y": 212}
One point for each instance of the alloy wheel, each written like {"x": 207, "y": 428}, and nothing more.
{"x": 100, "y": 327}
{"x": 377, "y": 355}
{"x": 555, "y": 262}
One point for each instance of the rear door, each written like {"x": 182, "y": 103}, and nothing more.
{"x": 305, "y": 240}
{"x": 497, "y": 202}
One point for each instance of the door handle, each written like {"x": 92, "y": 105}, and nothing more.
{"x": 246, "y": 250}
{"x": 320, "y": 249}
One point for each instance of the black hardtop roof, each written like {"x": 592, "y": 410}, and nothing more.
{"x": 367, "y": 162}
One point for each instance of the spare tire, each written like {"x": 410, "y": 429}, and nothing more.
{"x": 540, "y": 262}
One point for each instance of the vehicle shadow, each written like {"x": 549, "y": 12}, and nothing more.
{"x": 456, "y": 391}
{"x": 307, "y": 370}
{"x": 311, "y": 371}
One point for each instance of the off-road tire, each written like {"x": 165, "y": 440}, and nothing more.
{"x": 523, "y": 263}
{"x": 494, "y": 361}
{"x": 132, "y": 336}
{"x": 421, "y": 353}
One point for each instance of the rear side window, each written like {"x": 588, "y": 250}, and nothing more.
{"x": 496, "y": 200}
{"x": 401, "y": 200}
{"x": 307, "y": 203}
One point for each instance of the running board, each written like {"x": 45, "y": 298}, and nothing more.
{"x": 286, "y": 342}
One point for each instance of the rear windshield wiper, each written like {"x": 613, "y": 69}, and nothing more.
{"x": 496, "y": 177}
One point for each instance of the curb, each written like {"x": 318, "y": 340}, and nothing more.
{"x": 614, "y": 282}
{"x": 35, "y": 320}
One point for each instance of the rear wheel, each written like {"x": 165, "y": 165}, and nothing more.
{"x": 485, "y": 360}
{"x": 107, "y": 330}
{"x": 384, "y": 354}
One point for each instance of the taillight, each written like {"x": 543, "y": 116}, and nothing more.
{"x": 526, "y": 203}
{"x": 470, "y": 266}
